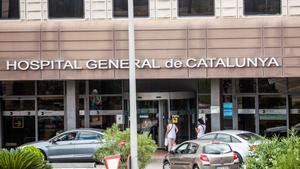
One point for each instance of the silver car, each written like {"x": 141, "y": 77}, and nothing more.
{"x": 72, "y": 145}
{"x": 201, "y": 154}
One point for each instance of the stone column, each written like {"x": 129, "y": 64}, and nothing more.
{"x": 70, "y": 105}
{"x": 215, "y": 101}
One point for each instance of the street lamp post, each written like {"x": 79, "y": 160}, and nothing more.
{"x": 132, "y": 88}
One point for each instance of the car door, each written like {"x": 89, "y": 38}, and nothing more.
{"x": 87, "y": 144}
{"x": 189, "y": 157}
{"x": 176, "y": 159}
{"x": 62, "y": 147}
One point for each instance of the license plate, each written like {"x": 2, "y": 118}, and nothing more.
{"x": 224, "y": 167}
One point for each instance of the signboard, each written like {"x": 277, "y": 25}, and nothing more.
{"x": 105, "y": 64}
{"x": 112, "y": 162}
{"x": 215, "y": 109}
{"x": 120, "y": 119}
{"x": 227, "y": 109}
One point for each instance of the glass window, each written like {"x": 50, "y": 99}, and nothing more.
{"x": 246, "y": 113}
{"x": 50, "y": 125}
{"x": 249, "y": 136}
{"x": 196, "y": 7}
{"x": 105, "y": 87}
{"x": 141, "y": 8}
{"x": 17, "y": 88}
{"x": 51, "y": 103}
{"x": 18, "y": 105}
{"x": 294, "y": 85}
{"x": 223, "y": 138}
{"x": 85, "y": 135}
{"x": 261, "y": 7}
{"x": 81, "y": 87}
{"x": 227, "y": 86}
{"x": 9, "y": 9}
{"x": 272, "y": 102}
{"x": 204, "y": 101}
{"x": 234, "y": 140}
{"x": 246, "y": 86}
{"x": 67, "y": 137}
{"x": 295, "y": 113}
{"x": 208, "y": 137}
{"x": 105, "y": 102}
{"x": 272, "y": 85}
{"x": 50, "y": 87}
{"x": 216, "y": 149}
{"x": 204, "y": 86}
{"x": 192, "y": 149}
{"x": 65, "y": 8}
{"x": 182, "y": 149}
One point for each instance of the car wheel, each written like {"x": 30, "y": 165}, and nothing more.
{"x": 195, "y": 166}
{"x": 166, "y": 165}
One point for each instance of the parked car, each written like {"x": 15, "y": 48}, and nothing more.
{"x": 201, "y": 154}
{"x": 241, "y": 142}
{"x": 73, "y": 145}
{"x": 281, "y": 130}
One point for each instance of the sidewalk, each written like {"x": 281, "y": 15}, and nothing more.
{"x": 156, "y": 162}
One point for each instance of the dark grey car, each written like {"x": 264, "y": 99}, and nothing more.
{"x": 72, "y": 145}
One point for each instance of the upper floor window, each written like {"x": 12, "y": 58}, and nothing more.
{"x": 196, "y": 8}
{"x": 65, "y": 8}
{"x": 9, "y": 9}
{"x": 141, "y": 8}
{"x": 262, "y": 7}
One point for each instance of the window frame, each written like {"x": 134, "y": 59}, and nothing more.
{"x": 134, "y": 17}
{"x": 63, "y": 18}
{"x": 13, "y": 19}
{"x": 261, "y": 15}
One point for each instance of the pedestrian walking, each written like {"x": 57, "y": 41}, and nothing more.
{"x": 200, "y": 129}
{"x": 171, "y": 132}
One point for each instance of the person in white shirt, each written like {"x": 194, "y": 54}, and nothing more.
{"x": 171, "y": 132}
{"x": 200, "y": 129}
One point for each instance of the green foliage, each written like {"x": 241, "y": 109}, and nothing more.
{"x": 277, "y": 153}
{"x": 22, "y": 159}
{"x": 118, "y": 142}
{"x": 35, "y": 151}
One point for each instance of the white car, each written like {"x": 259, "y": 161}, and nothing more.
{"x": 241, "y": 142}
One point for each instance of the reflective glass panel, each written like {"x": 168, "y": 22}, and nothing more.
{"x": 204, "y": 101}
{"x": 261, "y": 7}
{"x": 120, "y": 8}
{"x": 18, "y": 105}
{"x": 204, "y": 86}
{"x": 17, "y": 88}
{"x": 272, "y": 115}
{"x": 9, "y": 9}
{"x": 51, "y": 103}
{"x": 105, "y": 102}
{"x": 196, "y": 7}
{"x": 272, "y": 85}
{"x": 105, "y": 87}
{"x": 227, "y": 86}
{"x": 50, "y": 87}
{"x": 246, "y": 86}
{"x": 246, "y": 113}
{"x": 295, "y": 113}
{"x": 65, "y": 8}
{"x": 294, "y": 85}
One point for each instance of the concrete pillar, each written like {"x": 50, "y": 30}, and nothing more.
{"x": 215, "y": 101}
{"x": 70, "y": 105}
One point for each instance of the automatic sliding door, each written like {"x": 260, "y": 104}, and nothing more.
{"x": 246, "y": 113}
{"x": 18, "y": 122}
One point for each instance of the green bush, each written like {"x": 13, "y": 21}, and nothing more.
{"x": 276, "y": 153}
{"x": 34, "y": 150}
{"x": 22, "y": 159}
{"x": 118, "y": 142}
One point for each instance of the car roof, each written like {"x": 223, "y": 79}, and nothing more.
{"x": 232, "y": 132}
{"x": 86, "y": 129}
{"x": 203, "y": 142}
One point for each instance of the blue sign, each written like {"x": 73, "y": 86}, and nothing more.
{"x": 227, "y": 109}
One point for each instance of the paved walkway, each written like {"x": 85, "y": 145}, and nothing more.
{"x": 156, "y": 162}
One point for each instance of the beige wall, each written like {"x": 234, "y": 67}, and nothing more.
{"x": 160, "y": 40}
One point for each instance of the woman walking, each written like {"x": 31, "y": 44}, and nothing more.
{"x": 171, "y": 132}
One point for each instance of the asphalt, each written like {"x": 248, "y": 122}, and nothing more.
{"x": 156, "y": 162}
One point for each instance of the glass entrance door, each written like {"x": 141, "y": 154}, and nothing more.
{"x": 152, "y": 117}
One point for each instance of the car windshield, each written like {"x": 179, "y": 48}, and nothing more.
{"x": 216, "y": 149}
{"x": 249, "y": 136}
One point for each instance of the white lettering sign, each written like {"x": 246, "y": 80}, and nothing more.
{"x": 104, "y": 64}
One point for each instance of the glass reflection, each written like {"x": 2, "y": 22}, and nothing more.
{"x": 105, "y": 87}
{"x": 9, "y": 9}
{"x": 272, "y": 116}
{"x": 271, "y": 85}
{"x": 65, "y": 8}
{"x": 246, "y": 86}
{"x": 204, "y": 86}
{"x": 196, "y": 7}
{"x": 120, "y": 8}
{"x": 50, "y": 87}
{"x": 295, "y": 113}
{"x": 105, "y": 102}
{"x": 17, "y": 88}
{"x": 259, "y": 7}
{"x": 294, "y": 85}
{"x": 246, "y": 113}
{"x": 18, "y": 105}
